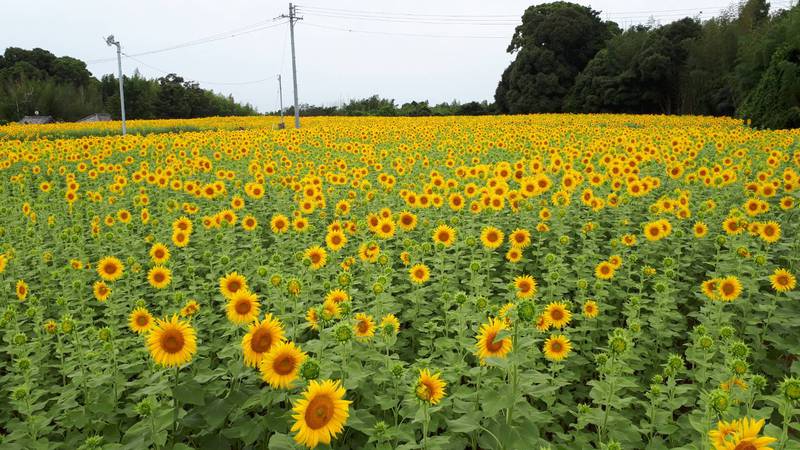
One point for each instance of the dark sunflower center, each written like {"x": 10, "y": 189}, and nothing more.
{"x": 556, "y": 314}
{"x": 284, "y": 365}
{"x": 172, "y": 341}
{"x": 728, "y": 288}
{"x": 319, "y": 412}
{"x": 158, "y": 277}
{"x": 234, "y": 286}
{"x": 556, "y": 347}
{"x": 363, "y": 327}
{"x": 492, "y": 345}
{"x": 261, "y": 341}
{"x": 243, "y": 306}
{"x": 745, "y": 445}
{"x": 782, "y": 280}
{"x": 110, "y": 268}
{"x": 142, "y": 320}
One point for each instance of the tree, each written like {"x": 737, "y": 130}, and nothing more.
{"x": 775, "y": 102}
{"x": 552, "y": 45}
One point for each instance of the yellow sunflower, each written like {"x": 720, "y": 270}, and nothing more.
{"x": 101, "y": 291}
{"x": 557, "y": 315}
{"x": 729, "y": 289}
{"x": 604, "y": 271}
{"x": 190, "y": 308}
{"x": 445, "y": 235}
{"x": 390, "y": 320}
{"x": 709, "y": 288}
{"x": 159, "y": 277}
{"x": 492, "y": 237}
{"x": 770, "y": 232}
{"x": 520, "y": 238}
{"x": 22, "y": 290}
{"x": 110, "y": 268}
{"x": 526, "y": 286}
{"x": 590, "y": 309}
{"x": 741, "y": 434}
{"x": 159, "y": 253}
{"x": 172, "y": 342}
{"x": 281, "y": 364}
{"x": 335, "y": 240}
{"x": 419, "y": 273}
{"x": 407, "y": 221}
{"x": 140, "y": 320}
{"x": 232, "y": 283}
{"x": 321, "y": 414}
{"x": 243, "y": 307}
{"x": 557, "y": 347}
{"x": 317, "y": 256}
{"x": 260, "y": 338}
{"x": 700, "y": 229}
{"x": 364, "y": 327}
{"x": 279, "y": 223}
{"x": 430, "y": 387}
{"x": 312, "y": 319}
{"x": 782, "y": 280}
{"x": 487, "y": 345}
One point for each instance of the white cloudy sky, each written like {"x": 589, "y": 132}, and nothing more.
{"x": 404, "y": 57}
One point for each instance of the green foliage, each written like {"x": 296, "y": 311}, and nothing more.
{"x": 775, "y": 102}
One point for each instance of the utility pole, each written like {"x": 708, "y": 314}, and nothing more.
{"x": 292, "y": 20}
{"x": 110, "y": 41}
{"x": 280, "y": 95}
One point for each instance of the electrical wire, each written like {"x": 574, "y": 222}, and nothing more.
{"x": 387, "y": 33}
{"x": 235, "y": 83}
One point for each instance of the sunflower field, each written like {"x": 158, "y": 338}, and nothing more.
{"x": 518, "y": 282}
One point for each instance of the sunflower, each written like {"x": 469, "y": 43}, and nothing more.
{"x": 732, "y": 226}
{"x": 653, "y": 231}
{"x": 317, "y": 257}
{"x": 729, "y": 289}
{"x": 604, "y": 270}
{"x": 557, "y": 347}
{"x": 526, "y": 286}
{"x": 590, "y": 309}
{"x": 335, "y": 240}
{"x": 364, "y": 327}
{"x": 615, "y": 261}
{"x": 390, "y": 320}
{"x": 337, "y": 296}
{"x": 232, "y": 283}
{"x": 709, "y": 288}
{"x": 190, "y": 308}
{"x": 140, "y": 320}
{"x": 280, "y": 365}
{"x": 487, "y": 345}
{"x": 445, "y": 235}
{"x": 520, "y": 238}
{"x": 22, "y": 290}
{"x": 492, "y": 237}
{"x": 172, "y": 342}
{"x": 101, "y": 291}
{"x": 159, "y": 253}
{"x": 419, "y": 273}
{"x": 782, "y": 280}
{"x": 430, "y": 387}
{"x": 279, "y": 223}
{"x": 180, "y": 238}
{"x": 741, "y": 434}
{"x": 261, "y": 337}
{"x": 407, "y": 221}
{"x": 514, "y": 254}
{"x": 249, "y": 223}
{"x": 542, "y": 324}
{"x": 3, "y": 262}
{"x": 557, "y": 315}
{"x": 243, "y": 307}
{"x": 110, "y": 268}
{"x": 159, "y": 277}
{"x": 312, "y": 319}
{"x": 700, "y": 229}
{"x": 770, "y": 232}
{"x": 385, "y": 229}
{"x": 321, "y": 414}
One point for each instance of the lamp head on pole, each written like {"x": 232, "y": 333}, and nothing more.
{"x": 110, "y": 40}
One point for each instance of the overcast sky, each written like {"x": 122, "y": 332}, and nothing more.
{"x": 402, "y": 57}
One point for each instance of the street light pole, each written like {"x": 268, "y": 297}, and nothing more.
{"x": 110, "y": 41}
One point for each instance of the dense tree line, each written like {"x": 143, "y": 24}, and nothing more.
{"x": 744, "y": 63}
{"x": 378, "y": 106}
{"x": 62, "y": 87}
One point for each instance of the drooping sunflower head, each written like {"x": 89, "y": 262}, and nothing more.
{"x": 525, "y": 285}
{"x": 281, "y": 364}
{"x": 321, "y": 414}
{"x": 260, "y": 338}
{"x": 172, "y": 342}
{"x": 110, "y": 268}
{"x": 557, "y": 347}
{"x": 488, "y": 344}
{"x": 430, "y": 387}
{"x": 232, "y": 283}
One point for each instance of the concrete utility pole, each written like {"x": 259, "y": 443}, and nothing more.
{"x": 280, "y": 95}
{"x": 110, "y": 41}
{"x": 292, "y": 20}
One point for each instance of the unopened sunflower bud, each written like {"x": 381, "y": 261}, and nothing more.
{"x": 343, "y": 333}
{"x": 719, "y": 400}
{"x": 790, "y": 388}
{"x": 309, "y": 370}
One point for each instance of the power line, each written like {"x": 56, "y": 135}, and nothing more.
{"x": 387, "y": 33}
{"x": 234, "y": 83}
{"x": 201, "y": 41}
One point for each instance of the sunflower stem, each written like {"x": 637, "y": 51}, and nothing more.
{"x": 514, "y": 375}
{"x": 425, "y": 425}
{"x": 175, "y": 406}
